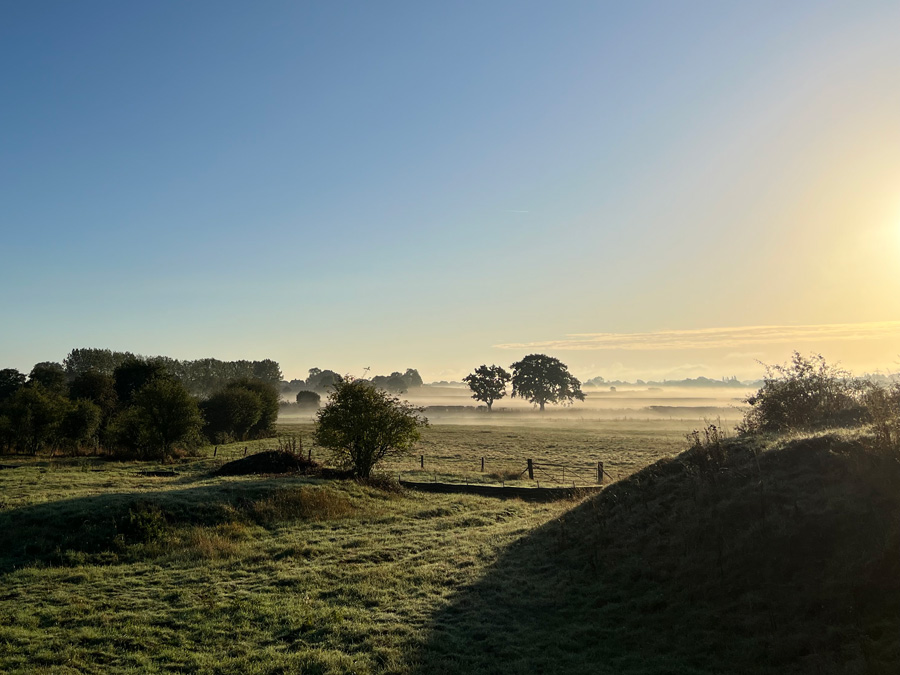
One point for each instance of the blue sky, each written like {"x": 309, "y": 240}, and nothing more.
{"x": 418, "y": 184}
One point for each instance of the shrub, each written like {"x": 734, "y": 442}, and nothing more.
{"x": 883, "y": 408}
{"x": 308, "y": 399}
{"x": 361, "y": 425}
{"x": 804, "y": 394}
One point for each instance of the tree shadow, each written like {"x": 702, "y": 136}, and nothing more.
{"x": 681, "y": 571}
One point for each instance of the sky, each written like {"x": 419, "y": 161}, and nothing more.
{"x": 642, "y": 189}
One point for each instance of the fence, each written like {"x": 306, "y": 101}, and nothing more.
{"x": 524, "y": 471}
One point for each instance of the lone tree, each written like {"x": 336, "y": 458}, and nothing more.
{"x": 543, "y": 379}
{"x": 488, "y": 384}
{"x": 361, "y": 425}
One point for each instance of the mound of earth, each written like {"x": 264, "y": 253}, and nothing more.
{"x": 271, "y": 461}
{"x": 753, "y": 556}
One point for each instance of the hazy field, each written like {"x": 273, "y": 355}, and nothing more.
{"x": 626, "y": 430}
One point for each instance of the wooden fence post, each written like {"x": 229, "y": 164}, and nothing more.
{"x": 245, "y": 451}
{"x": 530, "y": 470}
{"x": 422, "y": 461}
{"x": 215, "y": 450}
{"x": 482, "y": 465}
{"x": 599, "y": 472}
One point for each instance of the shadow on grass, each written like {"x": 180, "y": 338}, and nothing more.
{"x": 104, "y": 525}
{"x": 785, "y": 564}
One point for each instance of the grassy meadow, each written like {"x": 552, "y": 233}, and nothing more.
{"x": 108, "y": 568}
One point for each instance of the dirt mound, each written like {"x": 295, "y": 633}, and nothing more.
{"x": 271, "y": 461}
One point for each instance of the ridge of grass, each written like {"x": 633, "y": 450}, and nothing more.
{"x": 764, "y": 555}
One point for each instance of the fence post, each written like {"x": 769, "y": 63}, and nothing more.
{"x": 245, "y": 451}
{"x": 482, "y": 465}
{"x": 215, "y": 450}
{"x": 422, "y": 461}
{"x": 530, "y": 470}
{"x": 599, "y": 472}
{"x": 309, "y": 454}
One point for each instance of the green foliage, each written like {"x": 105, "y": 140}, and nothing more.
{"x": 361, "y": 425}
{"x": 33, "y": 415}
{"x": 308, "y": 399}
{"x": 269, "y": 398}
{"x": 162, "y": 415}
{"x": 97, "y": 387}
{"x": 51, "y": 376}
{"x": 488, "y": 384}
{"x": 201, "y": 377}
{"x": 804, "y": 394}
{"x": 883, "y": 407}
{"x": 543, "y": 379}
{"x": 133, "y": 374}
{"x": 231, "y": 414}
{"x": 80, "y": 424}
{"x": 87, "y": 360}
{"x": 10, "y": 381}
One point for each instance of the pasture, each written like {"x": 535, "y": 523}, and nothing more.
{"x": 106, "y": 568}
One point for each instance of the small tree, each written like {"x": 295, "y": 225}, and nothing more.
{"x": 231, "y": 414}
{"x": 269, "y": 398}
{"x": 361, "y": 425}
{"x": 308, "y": 399}
{"x": 543, "y": 379}
{"x": 488, "y": 384}
{"x": 167, "y": 415}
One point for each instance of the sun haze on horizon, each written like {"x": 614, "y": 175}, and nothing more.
{"x": 638, "y": 189}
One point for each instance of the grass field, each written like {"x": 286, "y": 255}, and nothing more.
{"x": 107, "y": 569}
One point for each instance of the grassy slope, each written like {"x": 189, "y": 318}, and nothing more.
{"x": 785, "y": 562}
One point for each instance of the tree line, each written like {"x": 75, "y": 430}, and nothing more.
{"x": 201, "y": 377}
{"x": 133, "y": 406}
{"x": 323, "y": 382}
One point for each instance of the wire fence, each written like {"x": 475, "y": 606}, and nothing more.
{"x": 483, "y": 470}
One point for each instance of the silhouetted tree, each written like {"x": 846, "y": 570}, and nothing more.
{"x": 269, "y": 399}
{"x": 543, "y": 379}
{"x": 231, "y": 413}
{"x": 488, "y": 384}
{"x": 133, "y": 374}
{"x": 84, "y": 360}
{"x": 51, "y": 376}
{"x": 308, "y": 399}
{"x": 10, "y": 381}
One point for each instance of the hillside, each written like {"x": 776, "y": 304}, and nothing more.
{"x": 780, "y": 557}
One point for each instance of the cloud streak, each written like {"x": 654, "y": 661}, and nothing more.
{"x": 714, "y": 338}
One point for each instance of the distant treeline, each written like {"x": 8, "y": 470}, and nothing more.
{"x": 698, "y": 382}
{"x": 322, "y": 381}
{"x": 201, "y": 377}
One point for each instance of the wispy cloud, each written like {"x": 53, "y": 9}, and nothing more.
{"x": 708, "y": 338}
